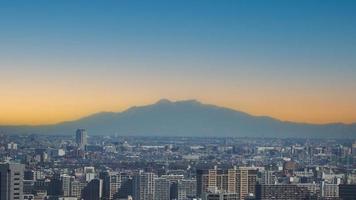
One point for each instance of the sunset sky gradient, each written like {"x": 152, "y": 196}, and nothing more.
{"x": 292, "y": 60}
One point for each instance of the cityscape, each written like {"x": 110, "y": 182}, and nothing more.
{"x": 81, "y": 166}
{"x": 178, "y": 100}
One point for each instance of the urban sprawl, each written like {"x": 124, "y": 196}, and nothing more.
{"x": 81, "y": 166}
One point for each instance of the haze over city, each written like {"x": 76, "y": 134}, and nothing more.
{"x": 291, "y": 60}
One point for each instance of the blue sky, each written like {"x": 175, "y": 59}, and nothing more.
{"x": 239, "y": 47}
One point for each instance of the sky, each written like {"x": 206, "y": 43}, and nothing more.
{"x": 293, "y": 60}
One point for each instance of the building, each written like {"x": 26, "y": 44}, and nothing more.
{"x": 66, "y": 184}
{"x": 81, "y": 138}
{"x": 76, "y": 188}
{"x": 89, "y": 173}
{"x": 111, "y": 184}
{"x": 93, "y": 191}
{"x": 241, "y": 181}
{"x": 221, "y": 196}
{"x": 186, "y": 189}
{"x": 162, "y": 189}
{"x": 126, "y": 185}
{"x": 12, "y": 146}
{"x": 143, "y": 186}
{"x": 11, "y": 181}
{"x": 353, "y": 149}
{"x": 329, "y": 190}
{"x": 281, "y": 191}
{"x": 347, "y": 192}
{"x": 54, "y": 187}
{"x": 267, "y": 177}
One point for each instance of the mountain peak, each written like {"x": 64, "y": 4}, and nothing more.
{"x": 164, "y": 101}
{"x": 167, "y": 101}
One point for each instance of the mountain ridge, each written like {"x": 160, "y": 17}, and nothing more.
{"x": 189, "y": 118}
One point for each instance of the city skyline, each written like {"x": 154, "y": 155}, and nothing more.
{"x": 64, "y": 60}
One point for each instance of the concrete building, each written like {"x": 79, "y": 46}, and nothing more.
{"x": 11, "y": 181}
{"x": 281, "y": 191}
{"x": 111, "y": 184}
{"x": 221, "y": 196}
{"x": 81, "y": 138}
{"x": 93, "y": 191}
{"x": 186, "y": 189}
{"x": 329, "y": 190}
{"x": 162, "y": 189}
{"x": 241, "y": 181}
{"x": 143, "y": 186}
{"x": 267, "y": 177}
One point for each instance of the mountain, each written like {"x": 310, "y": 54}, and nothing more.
{"x": 189, "y": 118}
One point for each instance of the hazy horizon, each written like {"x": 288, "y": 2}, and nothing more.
{"x": 170, "y": 101}
{"x": 290, "y": 60}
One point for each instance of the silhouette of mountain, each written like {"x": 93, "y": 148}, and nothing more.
{"x": 189, "y": 118}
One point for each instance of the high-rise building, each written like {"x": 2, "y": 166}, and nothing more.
{"x": 241, "y": 181}
{"x": 93, "y": 191}
{"x": 111, "y": 184}
{"x": 76, "y": 188}
{"x": 81, "y": 138}
{"x": 126, "y": 185}
{"x": 162, "y": 189}
{"x": 143, "y": 186}
{"x": 66, "y": 184}
{"x": 54, "y": 186}
{"x": 11, "y": 181}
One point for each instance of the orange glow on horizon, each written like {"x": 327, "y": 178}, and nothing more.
{"x": 50, "y": 113}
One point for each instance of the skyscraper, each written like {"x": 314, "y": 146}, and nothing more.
{"x": 81, "y": 138}
{"x": 11, "y": 181}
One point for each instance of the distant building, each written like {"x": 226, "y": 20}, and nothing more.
{"x": 66, "y": 184}
{"x": 93, "y": 191}
{"x": 81, "y": 138}
{"x": 353, "y": 149}
{"x": 347, "y": 192}
{"x": 186, "y": 189}
{"x": 89, "y": 173}
{"x": 162, "y": 189}
{"x": 143, "y": 186}
{"x": 111, "y": 184}
{"x": 11, "y": 181}
{"x": 221, "y": 196}
{"x": 281, "y": 191}
{"x": 76, "y": 188}
{"x": 267, "y": 177}
{"x": 329, "y": 190}
{"x": 126, "y": 185}
{"x": 241, "y": 181}
{"x": 12, "y": 146}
